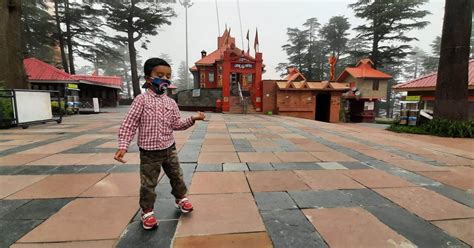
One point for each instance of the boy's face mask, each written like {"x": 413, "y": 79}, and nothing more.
{"x": 160, "y": 85}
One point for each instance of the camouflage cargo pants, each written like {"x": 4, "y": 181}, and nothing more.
{"x": 151, "y": 163}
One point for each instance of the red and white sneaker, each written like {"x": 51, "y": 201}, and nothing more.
{"x": 184, "y": 205}
{"x": 148, "y": 219}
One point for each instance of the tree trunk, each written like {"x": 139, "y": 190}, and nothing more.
{"x": 60, "y": 37}
{"x": 70, "y": 52}
{"x": 451, "y": 96}
{"x": 13, "y": 74}
{"x": 133, "y": 53}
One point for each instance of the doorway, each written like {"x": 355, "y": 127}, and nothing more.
{"x": 323, "y": 104}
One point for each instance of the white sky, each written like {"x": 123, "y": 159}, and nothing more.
{"x": 272, "y": 18}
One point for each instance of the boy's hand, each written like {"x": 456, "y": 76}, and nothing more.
{"x": 119, "y": 155}
{"x": 199, "y": 116}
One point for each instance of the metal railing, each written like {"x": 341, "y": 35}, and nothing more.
{"x": 243, "y": 101}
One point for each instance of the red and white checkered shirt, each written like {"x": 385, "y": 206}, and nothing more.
{"x": 155, "y": 116}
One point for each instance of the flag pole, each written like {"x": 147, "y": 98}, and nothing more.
{"x": 240, "y": 20}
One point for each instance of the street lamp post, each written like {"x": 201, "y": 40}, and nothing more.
{"x": 186, "y": 4}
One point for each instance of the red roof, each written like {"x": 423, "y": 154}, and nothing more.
{"x": 37, "y": 70}
{"x": 103, "y": 80}
{"x": 429, "y": 81}
{"x": 293, "y": 74}
{"x": 226, "y": 41}
{"x": 363, "y": 69}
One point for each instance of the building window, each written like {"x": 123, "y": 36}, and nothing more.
{"x": 211, "y": 77}
{"x": 203, "y": 77}
{"x": 375, "y": 85}
{"x": 429, "y": 105}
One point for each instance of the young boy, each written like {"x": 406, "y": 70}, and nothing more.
{"x": 156, "y": 116}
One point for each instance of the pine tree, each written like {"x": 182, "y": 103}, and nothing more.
{"x": 430, "y": 62}
{"x": 136, "y": 21}
{"x": 183, "y": 73}
{"x": 451, "y": 95}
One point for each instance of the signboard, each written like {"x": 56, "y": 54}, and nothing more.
{"x": 33, "y": 106}
{"x": 72, "y": 86}
{"x": 196, "y": 92}
{"x": 95, "y": 101}
{"x": 369, "y": 105}
{"x": 413, "y": 98}
{"x": 243, "y": 66}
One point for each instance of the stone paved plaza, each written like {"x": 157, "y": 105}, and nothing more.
{"x": 255, "y": 181}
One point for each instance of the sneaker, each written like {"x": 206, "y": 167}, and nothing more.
{"x": 148, "y": 219}
{"x": 184, "y": 205}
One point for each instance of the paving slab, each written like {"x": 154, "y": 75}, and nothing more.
{"x": 337, "y": 198}
{"x": 135, "y": 236}
{"x": 68, "y": 223}
{"x": 230, "y": 213}
{"x": 296, "y": 166}
{"x": 115, "y": 184}
{"x": 327, "y": 179}
{"x": 461, "y": 229}
{"x": 12, "y": 184}
{"x": 358, "y": 226}
{"x": 218, "y": 158}
{"x": 208, "y": 167}
{"x": 37, "y": 209}
{"x": 254, "y": 240}
{"x": 59, "y": 186}
{"x": 290, "y": 228}
{"x": 219, "y": 183}
{"x": 265, "y": 181}
{"x": 332, "y": 166}
{"x": 260, "y": 166}
{"x": 7, "y": 206}
{"x": 274, "y": 201}
{"x": 258, "y": 157}
{"x": 12, "y": 230}
{"x": 235, "y": 167}
{"x": 376, "y": 179}
{"x": 417, "y": 230}
{"x": 426, "y": 203}
{"x": 77, "y": 244}
{"x": 296, "y": 157}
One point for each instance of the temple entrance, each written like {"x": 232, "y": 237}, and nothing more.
{"x": 323, "y": 103}
{"x": 234, "y": 83}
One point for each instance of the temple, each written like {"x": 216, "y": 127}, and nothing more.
{"x": 233, "y": 73}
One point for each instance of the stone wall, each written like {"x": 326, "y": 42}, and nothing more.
{"x": 207, "y": 98}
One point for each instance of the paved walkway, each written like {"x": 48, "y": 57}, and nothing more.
{"x": 255, "y": 181}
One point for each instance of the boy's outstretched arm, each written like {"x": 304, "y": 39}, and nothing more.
{"x": 129, "y": 127}
{"x": 184, "y": 123}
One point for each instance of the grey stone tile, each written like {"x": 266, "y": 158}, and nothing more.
{"x": 209, "y": 167}
{"x": 163, "y": 191}
{"x": 274, "y": 201}
{"x": 7, "y": 206}
{"x": 414, "y": 178}
{"x": 290, "y": 228}
{"x": 332, "y": 166}
{"x": 354, "y": 165}
{"x": 136, "y": 236}
{"x": 415, "y": 229}
{"x": 124, "y": 168}
{"x": 296, "y": 166}
{"x": 96, "y": 168}
{"x": 68, "y": 169}
{"x": 164, "y": 209}
{"x": 12, "y": 230}
{"x": 260, "y": 166}
{"x": 376, "y": 164}
{"x": 197, "y": 135}
{"x": 36, "y": 170}
{"x": 39, "y": 209}
{"x": 453, "y": 193}
{"x": 235, "y": 167}
{"x": 10, "y": 170}
{"x": 337, "y": 198}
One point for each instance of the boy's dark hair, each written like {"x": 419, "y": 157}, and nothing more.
{"x": 152, "y": 63}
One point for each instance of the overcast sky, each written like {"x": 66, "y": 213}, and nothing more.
{"x": 272, "y": 18}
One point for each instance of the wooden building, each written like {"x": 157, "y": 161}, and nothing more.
{"x": 367, "y": 86}
{"x": 76, "y": 88}
{"x": 425, "y": 87}
{"x": 294, "y": 96}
